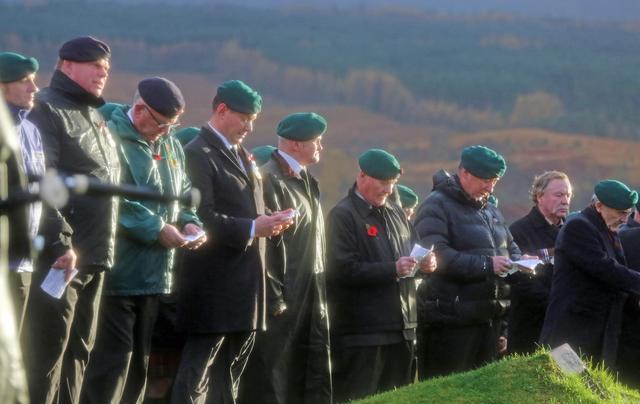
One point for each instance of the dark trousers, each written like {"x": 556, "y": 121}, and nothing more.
{"x": 117, "y": 370}
{"x": 447, "y": 349}
{"x": 61, "y": 333}
{"x": 211, "y": 367}
{"x": 363, "y": 371}
{"x": 19, "y": 284}
{"x": 289, "y": 364}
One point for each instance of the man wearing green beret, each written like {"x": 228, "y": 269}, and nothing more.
{"x": 185, "y": 135}
{"x": 371, "y": 289}
{"x": 262, "y": 154}
{"x": 408, "y": 200}
{"x": 221, "y": 291}
{"x": 17, "y": 85}
{"x": 591, "y": 278}
{"x": 291, "y": 363}
{"x": 461, "y": 305}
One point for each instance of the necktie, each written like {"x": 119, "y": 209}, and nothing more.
{"x": 305, "y": 178}
{"x": 234, "y": 151}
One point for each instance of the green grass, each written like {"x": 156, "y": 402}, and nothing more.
{"x": 516, "y": 379}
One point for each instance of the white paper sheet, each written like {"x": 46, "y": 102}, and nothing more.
{"x": 193, "y": 237}
{"x": 54, "y": 283}
{"x": 419, "y": 253}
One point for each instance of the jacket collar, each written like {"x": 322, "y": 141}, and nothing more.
{"x": 539, "y": 221}
{"x": 214, "y": 140}
{"x": 63, "y": 83}
{"x": 450, "y": 185}
{"x": 284, "y": 166}
{"x": 123, "y": 127}
{"x": 363, "y": 207}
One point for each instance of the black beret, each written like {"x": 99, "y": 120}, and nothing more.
{"x": 162, "y": 95}
{"x": 14, "y": 67}
{"x": 84, "y": 49}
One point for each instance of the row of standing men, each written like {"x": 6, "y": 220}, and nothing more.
{"x": 263, "y": 265}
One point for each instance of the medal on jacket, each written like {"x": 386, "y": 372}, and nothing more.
{"x": 155, "y": 153}
{"x": 254, "y": 166}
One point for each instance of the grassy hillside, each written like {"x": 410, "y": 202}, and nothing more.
{"x": 519, "y": 379}
{"x": 468, "y": 73}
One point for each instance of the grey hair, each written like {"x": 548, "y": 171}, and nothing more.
{"x": 542, "y": 181}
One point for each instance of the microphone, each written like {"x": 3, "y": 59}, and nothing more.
{"x": 85, "y": 185}
{"x": 54, "y": 190}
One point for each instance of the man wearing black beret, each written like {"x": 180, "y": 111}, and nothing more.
{"x": 148, "y": 234}
{"x": 461, "y": 306}
{"x": 221, "y": 291}
{"x": 370, "y": 284}
{"x": 591, "y": 278}
{"x": 290, "y": 362}
{"x": 76, "y": 141}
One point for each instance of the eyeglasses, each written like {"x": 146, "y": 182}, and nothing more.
{"x": 166, "y": 125}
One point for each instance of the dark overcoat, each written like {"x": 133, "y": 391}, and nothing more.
{"x": 221, "y": 287}
{"x": 587, "y": 290}
{"x": 290, "y": 362}
{"x": 629, "y": 347}
{"x": 530, "y": 293}
{"x": 365, "y": 295}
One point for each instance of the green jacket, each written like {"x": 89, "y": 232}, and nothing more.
{"x": 142, "y": 265}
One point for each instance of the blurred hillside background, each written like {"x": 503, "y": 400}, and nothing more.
{"x": 550, "y": 84}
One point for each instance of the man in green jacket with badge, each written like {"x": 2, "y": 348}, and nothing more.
{"x": 148, "y": 233}
{"x": 290, "y": 361}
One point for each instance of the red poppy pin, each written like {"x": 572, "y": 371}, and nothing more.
{"x": 372, "y": 230}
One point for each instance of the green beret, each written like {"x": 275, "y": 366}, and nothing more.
{"x": 483, "y": 162}
{"x": 262, "y": 154}
{"x": 107, "y": 109}
{"x": 379, "y": 164}
{"x": 185, "y": 135}
{"x": 615, "y": 194}
{"x": 239, "y": 97}
{"x": 408, "y": 198}
{"x": 14, "y": 67}
{"x": 302, "y": 126}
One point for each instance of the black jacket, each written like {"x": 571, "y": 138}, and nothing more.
{"x": 365, "y": 295}
{"x": 587, "y": 291}
{"x": 530, "y": 293}
{"x": 629, "y": 346}
{"x": 221, "y": 287}
{"x": 295, "y": 348}
{"x": 76, "y": 141}
{"x": 465, "y": 234}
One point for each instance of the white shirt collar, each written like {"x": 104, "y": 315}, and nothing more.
{"x": 293, "y": 163}
{"x": 221, "y": 136}
{"x": 130, "y": 114}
